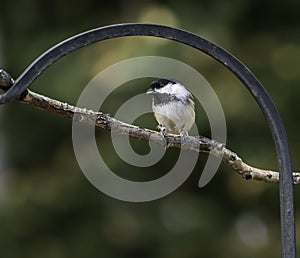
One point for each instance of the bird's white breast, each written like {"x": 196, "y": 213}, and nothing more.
{"x": 175, "y": 116}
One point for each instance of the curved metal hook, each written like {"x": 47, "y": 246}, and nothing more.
{"x": 221, "y": 55}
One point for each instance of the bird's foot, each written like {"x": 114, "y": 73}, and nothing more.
{"x": 163, "y": 133}
{"x": 184, "y": 137}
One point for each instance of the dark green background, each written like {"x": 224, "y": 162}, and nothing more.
{"x": 47, "y": 206}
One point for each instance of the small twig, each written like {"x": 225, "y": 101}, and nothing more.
{"x": 105, "y": 121}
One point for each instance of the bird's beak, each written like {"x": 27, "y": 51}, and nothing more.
{"x": 149, "y": 91}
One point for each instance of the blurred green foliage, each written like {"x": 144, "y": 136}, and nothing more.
{"x": 49, "y": 209}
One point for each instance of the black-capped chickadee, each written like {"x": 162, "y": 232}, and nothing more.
{"x": 173, "y": 106}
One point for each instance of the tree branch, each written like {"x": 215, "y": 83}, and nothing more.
{"x": 106, "y": 122}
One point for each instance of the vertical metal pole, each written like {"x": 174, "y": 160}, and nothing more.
{"x": 287, "y": 216}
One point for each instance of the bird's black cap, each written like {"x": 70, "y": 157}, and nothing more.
{"x": 159, "y": 83}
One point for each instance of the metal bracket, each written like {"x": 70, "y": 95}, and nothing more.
{"x": 232, "y": 63}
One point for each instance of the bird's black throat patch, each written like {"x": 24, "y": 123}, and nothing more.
{"x": 163, "y": 99}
